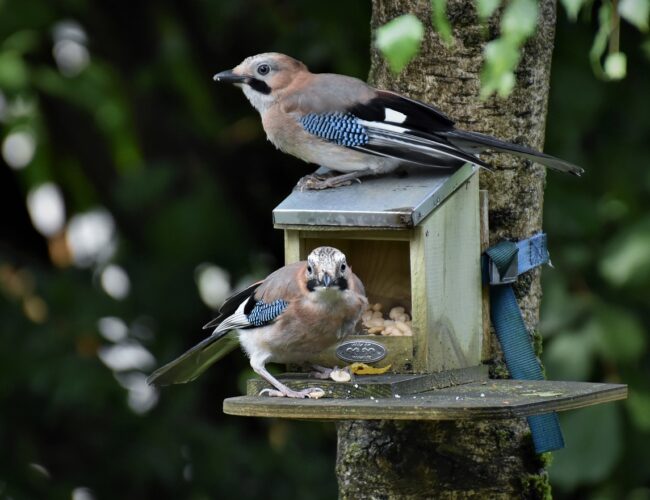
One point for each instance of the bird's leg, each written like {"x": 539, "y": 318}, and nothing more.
{"x": 282, "y": 390}
{"x": 314, "y": 182}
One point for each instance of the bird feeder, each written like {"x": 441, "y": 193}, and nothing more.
{"x": 415, "y": 240}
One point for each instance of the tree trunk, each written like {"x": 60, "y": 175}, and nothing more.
{"x": 460, "y": 459}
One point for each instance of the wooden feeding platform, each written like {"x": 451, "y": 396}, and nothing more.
{"x": 495, "y": 398}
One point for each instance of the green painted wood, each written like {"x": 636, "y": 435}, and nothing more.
{"x": 378, "y": 386}
{"x": 473, "y": 401}
{"x": 446, "y": 281}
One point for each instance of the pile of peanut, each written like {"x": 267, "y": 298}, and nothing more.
{"x": 397, "y": 324}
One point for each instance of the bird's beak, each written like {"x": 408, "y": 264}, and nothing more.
{"x": 229, "y": 77}
{"x": 327, "y": 280}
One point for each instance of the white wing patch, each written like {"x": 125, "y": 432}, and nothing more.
{"x": 394, "y": 116}
{"x": 236, "y": 320}
{"x": 382, "y": 126}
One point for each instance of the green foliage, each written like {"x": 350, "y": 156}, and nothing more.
{"x": 603, "y": 447}
{"x": 626, "y": 262}
{"x": 518, "y": 23}
{"x": 399, "y": 40}
{"x": 635, "y": 12}
{"x": 440, "y": 21}
{"x": 595, "y": 318}
{"x": 573, "y": 7}
{"x": 485, "y": 8}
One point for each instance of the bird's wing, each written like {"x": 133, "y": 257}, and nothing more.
{"x": 384, "y": 123}
{"x": 377, "y": 122}
{"x": 242, "y": 310}
{"x": 232, "y": 303}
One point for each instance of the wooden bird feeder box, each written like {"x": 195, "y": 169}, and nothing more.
{"x": 415, "y": 242}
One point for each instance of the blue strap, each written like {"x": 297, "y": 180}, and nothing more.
{"x": 512, "y": 332}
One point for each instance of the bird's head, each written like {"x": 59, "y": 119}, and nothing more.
{"x": 327, "y": 269}
{"x": 263, "y": 77}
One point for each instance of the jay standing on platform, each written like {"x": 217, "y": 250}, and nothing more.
{"x": 295, "y": 313}
{"x": 341, "y": 123}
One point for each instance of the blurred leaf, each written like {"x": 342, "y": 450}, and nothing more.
{"x": 399, "y": 40}
{"x": 486, "y": 8}
{"x": 594, "y": 445}
{"x": 569, "y": 356}
{"x": 559, "y": 307}
{"x": 440, "y": 21}
{"x": 638, "y": 404}
{"x": 626, "y": 261}
{"x": 501, "y": 58}
{"x": 572, "y": 7}
{"x": 13, "y": 72}
{"x": 519, "y": 20}
{"x": 502, "y": 55}
{"x": 602, "y": 36}
{"x": 22, "y": 41}
{"x": 616, "y": 66}
{"x": 620, "y": 334}
{"x": 635, "y": 12}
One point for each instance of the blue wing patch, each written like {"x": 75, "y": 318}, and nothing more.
{"x": 264, "y": 313}
{"x": 341, "y": 128}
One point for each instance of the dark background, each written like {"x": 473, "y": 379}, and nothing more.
{"x": 126, "y": 120}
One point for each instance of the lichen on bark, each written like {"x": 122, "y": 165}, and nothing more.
{"x": 461, "y": 459}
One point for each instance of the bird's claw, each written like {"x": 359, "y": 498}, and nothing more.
{"x": 310, "y": 392}
{"x": 316, "y": 182}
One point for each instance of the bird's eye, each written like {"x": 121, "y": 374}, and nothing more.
{"x": 309, "y": 269}
{"x": 343, "y": 267}
{"x": 263, "y": 69}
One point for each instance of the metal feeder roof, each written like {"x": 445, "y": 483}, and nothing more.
{"x": 385, "y": 201}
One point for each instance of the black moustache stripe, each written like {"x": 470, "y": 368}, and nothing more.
{"x": 312, "y": 284}
{"x": 342, "y": 283}
{"x": 259, "y": 86}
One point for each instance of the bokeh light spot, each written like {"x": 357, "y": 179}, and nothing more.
{"x": 18, "y": 149}
{"x": 46, "y": 208}
{"x": 115, "y": 282}
{"x": 213, "y": 283}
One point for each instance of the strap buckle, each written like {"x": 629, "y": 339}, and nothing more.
{"x": 509, "y": 276}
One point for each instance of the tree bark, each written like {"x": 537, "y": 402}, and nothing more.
{"x": 456, "y": 459}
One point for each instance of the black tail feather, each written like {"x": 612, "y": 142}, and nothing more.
{"x": 474, "y": 142}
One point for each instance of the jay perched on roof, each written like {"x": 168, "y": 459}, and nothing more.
{"x": 341, "y": 123}
{"x": 296, "y": 312}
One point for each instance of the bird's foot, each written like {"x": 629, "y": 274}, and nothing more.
{"x": 315, "y": 182}
{"x": 310, "y": 392}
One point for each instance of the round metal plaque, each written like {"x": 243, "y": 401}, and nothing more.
{"x": 364, "y": 351}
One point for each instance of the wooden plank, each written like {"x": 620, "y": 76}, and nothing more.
{"x": 378, "y": 386}
{"x": 486, "y": 352}
{"x": 349, "y": 232}
{"x": 447, "y": 263}
{"x": 480, "y": 400}
{"x": 291, "y": 247}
